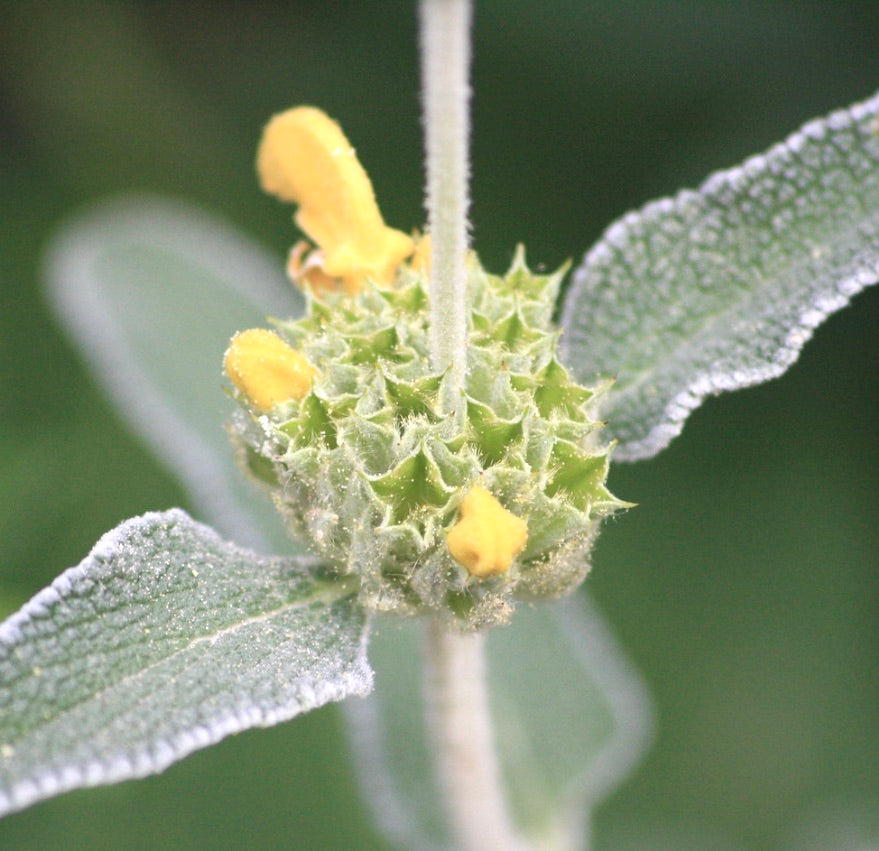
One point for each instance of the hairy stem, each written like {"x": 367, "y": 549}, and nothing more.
{"x": 462, "y": 742}
{"x": 445, "y": 66}
{"x": 458, "y": 718}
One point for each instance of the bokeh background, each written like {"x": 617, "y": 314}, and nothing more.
{"x": 745, "y": 585}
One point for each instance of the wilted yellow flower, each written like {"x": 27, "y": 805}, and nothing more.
{"x": 305, "y": 158}
{"x": 266, "y": 369}
{"x": 487, "y": 537}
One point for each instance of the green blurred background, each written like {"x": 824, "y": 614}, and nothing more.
{"x": 745, "y": 585}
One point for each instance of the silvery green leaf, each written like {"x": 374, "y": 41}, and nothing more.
{"x": 151, "y": 291}
{"x": 720, "y": 288}
{"x": 572, "y": 721}
{"x": 165, "y": 639}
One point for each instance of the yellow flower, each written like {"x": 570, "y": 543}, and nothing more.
{"x": 305, "y": 158}
{"x": 487, "y": 537}
{"x": 267, "y": 370}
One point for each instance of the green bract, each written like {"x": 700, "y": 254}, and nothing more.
{"x": 369, "y": 469}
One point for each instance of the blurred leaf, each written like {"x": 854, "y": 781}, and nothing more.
{"x": 165, "y": 639}
{"x": 720, "y": 288}
{"x": 152, "y": 291}
{"x": 572, "y": 720}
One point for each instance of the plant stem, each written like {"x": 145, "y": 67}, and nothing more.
{"x": 445, "y": 67}
{"x": 458, "y": 717}
{"x": 461, "y": 737}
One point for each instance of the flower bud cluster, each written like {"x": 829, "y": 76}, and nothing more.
{"x": 371, "y": 467}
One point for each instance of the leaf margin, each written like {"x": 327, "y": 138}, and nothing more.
{"x": 708, "y": 381}
{"x": 44, "y": 783}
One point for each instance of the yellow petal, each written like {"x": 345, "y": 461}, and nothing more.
{"x": 487, "y": 537}
{"x": 305, "y": 158}
{"x": 305, "y": 268}
{"x": 267, "y": 370}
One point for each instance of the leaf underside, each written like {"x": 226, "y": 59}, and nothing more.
{"x": 151, "y": 290}
{"x": 572, "y": 719}
{"x": 165, "y": 639}
{"x": 720, "y": 288}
